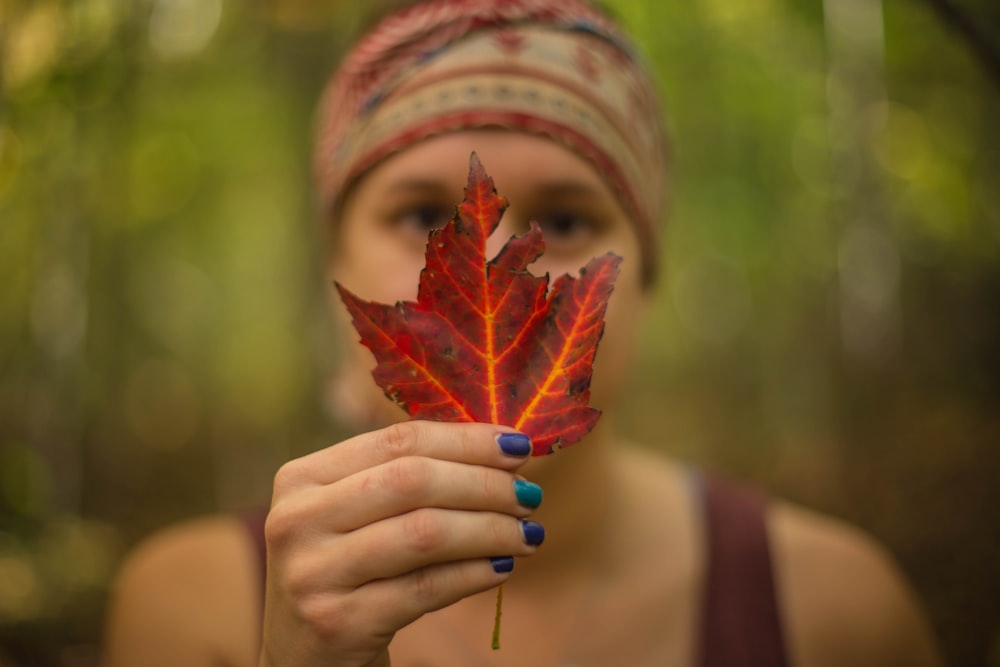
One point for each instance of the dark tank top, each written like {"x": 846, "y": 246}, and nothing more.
{"x": 740, "y": 620}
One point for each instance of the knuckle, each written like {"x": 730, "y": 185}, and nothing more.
{"x": 296, "y": 582}
{"x": 398, "y": 440}
{"x": 407, "y": 477}
{"x": 279, "y": 526}
{"x": 287, "y": 477}
{"x": 329, "y": 617}
{"x": 423, "y": 584}
{"x": 296, "y": 574}
{"x": 423, "y": 530}
{"x": 303, "y": 581}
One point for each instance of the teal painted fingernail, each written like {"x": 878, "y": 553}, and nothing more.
{"x": 528, "y": 494}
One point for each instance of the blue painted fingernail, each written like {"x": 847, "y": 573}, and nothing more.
{"x": 514, "y": 444}
{"x": 534, "y": 534}
{"x": 502, "y": 564}
{"x": 528, "y": 494}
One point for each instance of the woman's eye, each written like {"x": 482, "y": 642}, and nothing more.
{"x": 421, "y": 220}
{"x": 565, "y": 227}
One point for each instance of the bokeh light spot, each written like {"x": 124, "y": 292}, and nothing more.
{"x": 21, "y": 596}
{"x": 78, "y": 555}
{"x": 163, "y": 174}
{"x": 92, "y": 24}
{"x": 869, "y": 266}
{"x": 32, "y": 46}
{"x": 903, "y": 148}
{"x": 59, "y": 312}
{"x": 172, "y": 298}
{"x": 183, "y": 28}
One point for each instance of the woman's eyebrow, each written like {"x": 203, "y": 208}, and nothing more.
{"x": 418, "y": 185}
{"x": 567, "y": 189}
{"x": 568, "y": 193}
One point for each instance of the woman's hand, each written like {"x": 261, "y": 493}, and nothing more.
{"x": 366, "y": 536}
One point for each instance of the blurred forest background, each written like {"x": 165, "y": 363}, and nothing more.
{"x": 828, "y": 325}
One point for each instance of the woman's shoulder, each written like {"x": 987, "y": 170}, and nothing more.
{"x": 185, "y": 595}
{"x": 841, "y": 596}
{"x": 844, "y": 599}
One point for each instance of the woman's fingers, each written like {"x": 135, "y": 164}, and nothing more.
{"x": 405, "y": 484}
{"x": 402, "y": 544}
{"x": 359, "y": 588}
{"x": 479, "y": 444}
{"x": 397, "y": 546}
{"x": 409, "y": 597}
{"x": 364, "y": 619}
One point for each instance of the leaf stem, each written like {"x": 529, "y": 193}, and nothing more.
{"x": 496, "y": 618}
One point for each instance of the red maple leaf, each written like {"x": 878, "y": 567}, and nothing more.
{"x": 486, "y": 341}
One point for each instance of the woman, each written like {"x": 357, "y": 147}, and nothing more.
{"x": 392, "y": 542}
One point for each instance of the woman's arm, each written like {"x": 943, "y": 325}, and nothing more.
{"x": 844, "y": 599}
{"x": 189, "y": 595}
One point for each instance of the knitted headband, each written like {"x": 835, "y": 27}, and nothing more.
{"x": 555, "y": 68}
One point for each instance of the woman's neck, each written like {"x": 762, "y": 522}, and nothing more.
{"x": 581, "y": 487}
{"x": 611, "y": 511}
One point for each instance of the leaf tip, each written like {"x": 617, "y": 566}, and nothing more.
{"x": 477, "y": 173}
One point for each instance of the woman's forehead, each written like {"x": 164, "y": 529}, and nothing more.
{"x": 514, "y": 160}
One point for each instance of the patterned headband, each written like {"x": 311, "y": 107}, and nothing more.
{"x": 555, "y": 68}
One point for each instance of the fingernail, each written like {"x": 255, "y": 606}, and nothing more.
{"x": 528, "y": 494}
{"x": 514, "y": 444}
{"x": 533, "y": 532}
{"x": 502, "y": 564}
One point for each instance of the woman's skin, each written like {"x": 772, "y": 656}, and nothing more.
{"x": 386, "y": 537}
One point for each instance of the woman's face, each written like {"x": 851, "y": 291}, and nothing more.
{"x": 379, "y": 241}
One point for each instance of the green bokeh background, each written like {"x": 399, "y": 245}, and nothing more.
{"x": 827, "y": 326}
